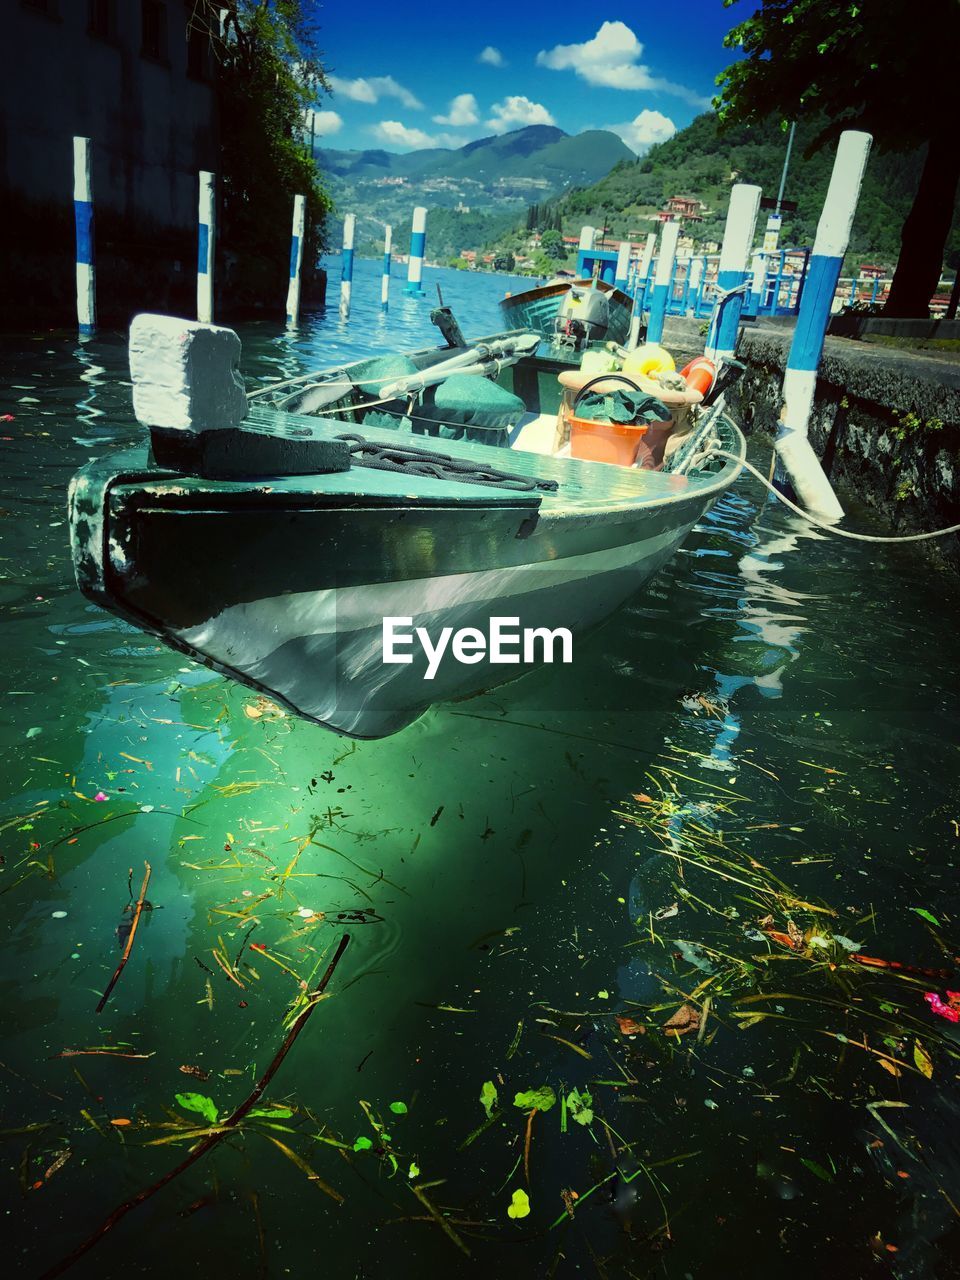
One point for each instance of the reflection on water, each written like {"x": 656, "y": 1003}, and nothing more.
{"x": 516, "y": 872}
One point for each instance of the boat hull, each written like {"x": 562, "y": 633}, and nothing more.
{"x": 285, "y": 588}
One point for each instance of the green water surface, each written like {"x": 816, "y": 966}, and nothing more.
{"x": 777, "y": 709}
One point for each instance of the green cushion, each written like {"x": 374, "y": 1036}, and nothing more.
{"x": 466, "y": 406}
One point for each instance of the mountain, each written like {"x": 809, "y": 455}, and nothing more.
{"x": 476, "y": 189}
{"x": 537, "y": 152}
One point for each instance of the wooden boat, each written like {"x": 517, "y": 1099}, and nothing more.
{"x": 273, "y": 551}
{"x": 537, "y": 310}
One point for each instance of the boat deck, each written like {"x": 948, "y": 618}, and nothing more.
{"x": 583, "y": 485}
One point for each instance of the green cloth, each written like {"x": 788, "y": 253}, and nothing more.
{"x": 462, "y": 407}
{"x": 621, "y": 406}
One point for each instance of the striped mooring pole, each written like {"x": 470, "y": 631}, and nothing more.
{"x": 696, "y": 284}
{"x": 643, "y": 270}
{"x": 758, "y": 278}
{"x": 418, "y": 245}
{"x": 296, "y": 259}
{"x": 346, "y": 265}
{"x": 206, "y": 235}
{"x": 623, "y": 265}
{"x": 385, "y": 281}
{"x": 800, "y": 379}
{"x": 732, "y": 268}
{"x": 662, "y": 281}
{"x": 83, "y": 219}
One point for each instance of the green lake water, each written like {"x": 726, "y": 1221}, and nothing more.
{"x": 766, "y": 737}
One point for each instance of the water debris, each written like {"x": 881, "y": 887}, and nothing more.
{"x": 197, "y": 1072}
{"x": 212, "y": 1139}
{"x": 686, "y": 1018}
{"x": 138, "y": 910}
{"x": 262, "y": 708}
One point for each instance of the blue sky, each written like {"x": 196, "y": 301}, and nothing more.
{"x": 408, "y": 75}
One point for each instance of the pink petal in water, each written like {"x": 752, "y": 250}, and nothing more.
{"x": 938, "y": 1007}
{"x": 101, "y": 796}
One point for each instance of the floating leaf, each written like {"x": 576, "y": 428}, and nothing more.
{"x": 685, "y": 1019}
{"x": 923, "y": 1060}
{"x": 519, "y": 1205}
{"x": 890, "y": 1066}
{"x": 488, "y": 1097}
{"x": 541, "y": 1099}
{"x": 275, "y": 1113}
{"x": 413, "y": 1171}
{"x": 925, "y": 915}
{"x": 628, "y": 1027}
{"x": 200, "y": 1103}
{"x": 580, "y": 1106}
{"x": 823, "y": 1174}
{"x": 398, "y": 1108}
{"x": 362, "y": 1144}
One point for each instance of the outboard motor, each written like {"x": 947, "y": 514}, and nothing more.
{"x": 583, "y": 317}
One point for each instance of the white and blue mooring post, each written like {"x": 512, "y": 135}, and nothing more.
{"x": 732, "y": 269}
{"x": 418, "y": 245}
{"x": 385, "y": 281}
{"x": 800, "y": 380}
{"x": 643, "y": 270}
{"x": 83, "y": 218}
{"x": 758, "y": 279}
{"x": 662, "y": 281}
{"x": 623, "y": 266}
{"x": 206, "y": 235}
{"x": 346, "y": 265}
{"x": 296, "y": 259}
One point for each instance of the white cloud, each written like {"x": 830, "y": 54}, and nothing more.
{"x": 393, "y": 133}
{"x": 516, "y": 112}
{"x": 372, "y": 89}
{"x": 611, "y": 60}
{"x": 324, "y": 123}
{"x": 463, "y": 111}
{"x": 644, "y": 130}
{"x": 491, "y": 56}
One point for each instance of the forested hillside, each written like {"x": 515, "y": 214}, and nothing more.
{"x": 703, "y": 163}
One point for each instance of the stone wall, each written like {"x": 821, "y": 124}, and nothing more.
{"x": 886, "y": 425}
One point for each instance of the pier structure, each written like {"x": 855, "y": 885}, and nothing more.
{"x": 206, "y": 237}
{"x": 418, "y": 245}
{"x": 296, "y": 259}
{"x": 346, "y": 265}
{"x": 83, "y": 222}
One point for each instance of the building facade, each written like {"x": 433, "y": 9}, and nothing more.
{"x": 137, "y": 78}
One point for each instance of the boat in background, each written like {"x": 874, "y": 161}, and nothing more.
{"x": 557, "y": 308}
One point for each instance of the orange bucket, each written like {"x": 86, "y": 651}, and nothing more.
{"x": 615, "y": 442}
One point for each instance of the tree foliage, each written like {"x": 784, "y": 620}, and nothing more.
{"x": 269, "y": 74}
{"x": 887, "y": 68}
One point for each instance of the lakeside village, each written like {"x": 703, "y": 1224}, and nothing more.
{"x": 550, "y": 254}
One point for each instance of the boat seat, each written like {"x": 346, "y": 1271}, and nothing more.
{"x": 462, "y": 407}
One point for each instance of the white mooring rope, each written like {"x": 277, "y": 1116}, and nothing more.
{"x": 825, "y": 524}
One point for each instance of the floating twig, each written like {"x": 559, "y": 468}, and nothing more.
{"x": 130, "y": 937}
